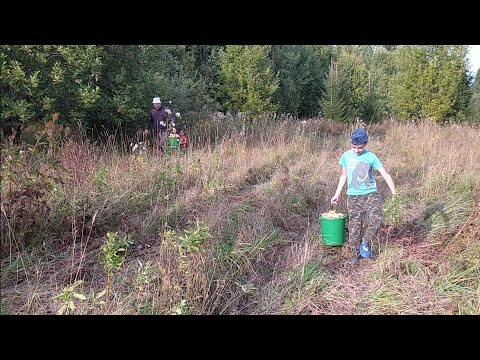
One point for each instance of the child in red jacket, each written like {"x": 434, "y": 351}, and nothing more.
{"x": 183, "y": 142}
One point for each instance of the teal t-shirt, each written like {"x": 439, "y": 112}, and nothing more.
{"x": 360, "y": 168}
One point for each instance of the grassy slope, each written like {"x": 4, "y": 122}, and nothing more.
{"x": 232, "y": 228}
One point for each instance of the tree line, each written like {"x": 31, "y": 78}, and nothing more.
{"x": 107, "y": 86}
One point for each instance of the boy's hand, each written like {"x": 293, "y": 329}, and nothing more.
{"x": 334, "y": 199}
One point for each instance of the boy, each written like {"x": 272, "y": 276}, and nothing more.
{"x": 362, "y": 195}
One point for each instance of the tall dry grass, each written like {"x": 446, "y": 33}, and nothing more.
{"x": 232, "y": 227}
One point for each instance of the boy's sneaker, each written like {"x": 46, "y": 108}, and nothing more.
{"x": 365, "y": 251}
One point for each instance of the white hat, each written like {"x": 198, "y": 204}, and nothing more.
{"x": 156, "y": 100}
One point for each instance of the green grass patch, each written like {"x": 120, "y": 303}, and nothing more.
{"x": 462, "y": 280}
{"x": 311, "y": 271}
{"x": 388, "y": 298}
{"x": 411, "y": 267}
{"x": 394, "y": 210}
{"x": 448, "y": 212}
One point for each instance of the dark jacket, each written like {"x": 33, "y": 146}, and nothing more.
{"x": 158, "y": 119}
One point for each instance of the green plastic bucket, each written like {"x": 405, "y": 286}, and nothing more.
{"x": 173, "y": 142}
{"x": 333, "y": 230}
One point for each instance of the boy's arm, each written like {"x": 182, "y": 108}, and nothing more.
{"x": 388, "y": 179}
{"x": 341, "y": 182}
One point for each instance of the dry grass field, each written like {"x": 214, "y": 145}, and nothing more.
{"x": 232, "y": 226}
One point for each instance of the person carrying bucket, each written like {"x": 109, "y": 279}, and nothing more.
{"x": 173, "y": 139}
{"x": 158, "y": 119}
{"x": 363, "y": 199}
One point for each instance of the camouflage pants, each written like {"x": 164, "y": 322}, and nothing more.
{"x": 363, "y": 209}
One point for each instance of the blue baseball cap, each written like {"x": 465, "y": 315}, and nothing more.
{"x": 359, "y": 136}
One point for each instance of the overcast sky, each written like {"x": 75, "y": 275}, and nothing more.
{"x": 474, "y": 58}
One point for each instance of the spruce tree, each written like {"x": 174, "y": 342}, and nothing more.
{"x": 248, "y": 80}
{"x": 333, "y": 104}
{"x": 474, "y": 110}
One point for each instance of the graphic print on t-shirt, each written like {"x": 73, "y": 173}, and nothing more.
{"x": 361, "y": 174}
{"x": 360, "y": 171}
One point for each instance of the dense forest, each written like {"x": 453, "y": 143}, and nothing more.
{"x": 111, "y": 87}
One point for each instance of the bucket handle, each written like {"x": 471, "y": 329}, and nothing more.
{"x": 331, "y": 206}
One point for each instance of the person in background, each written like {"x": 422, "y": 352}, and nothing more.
{"x": 183, "y": 142}
{"x": 173, "y": 139}
{"x": 158, "y": 124}
{"x": 363, "y": 199}
{"x": 174, "y": 133}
